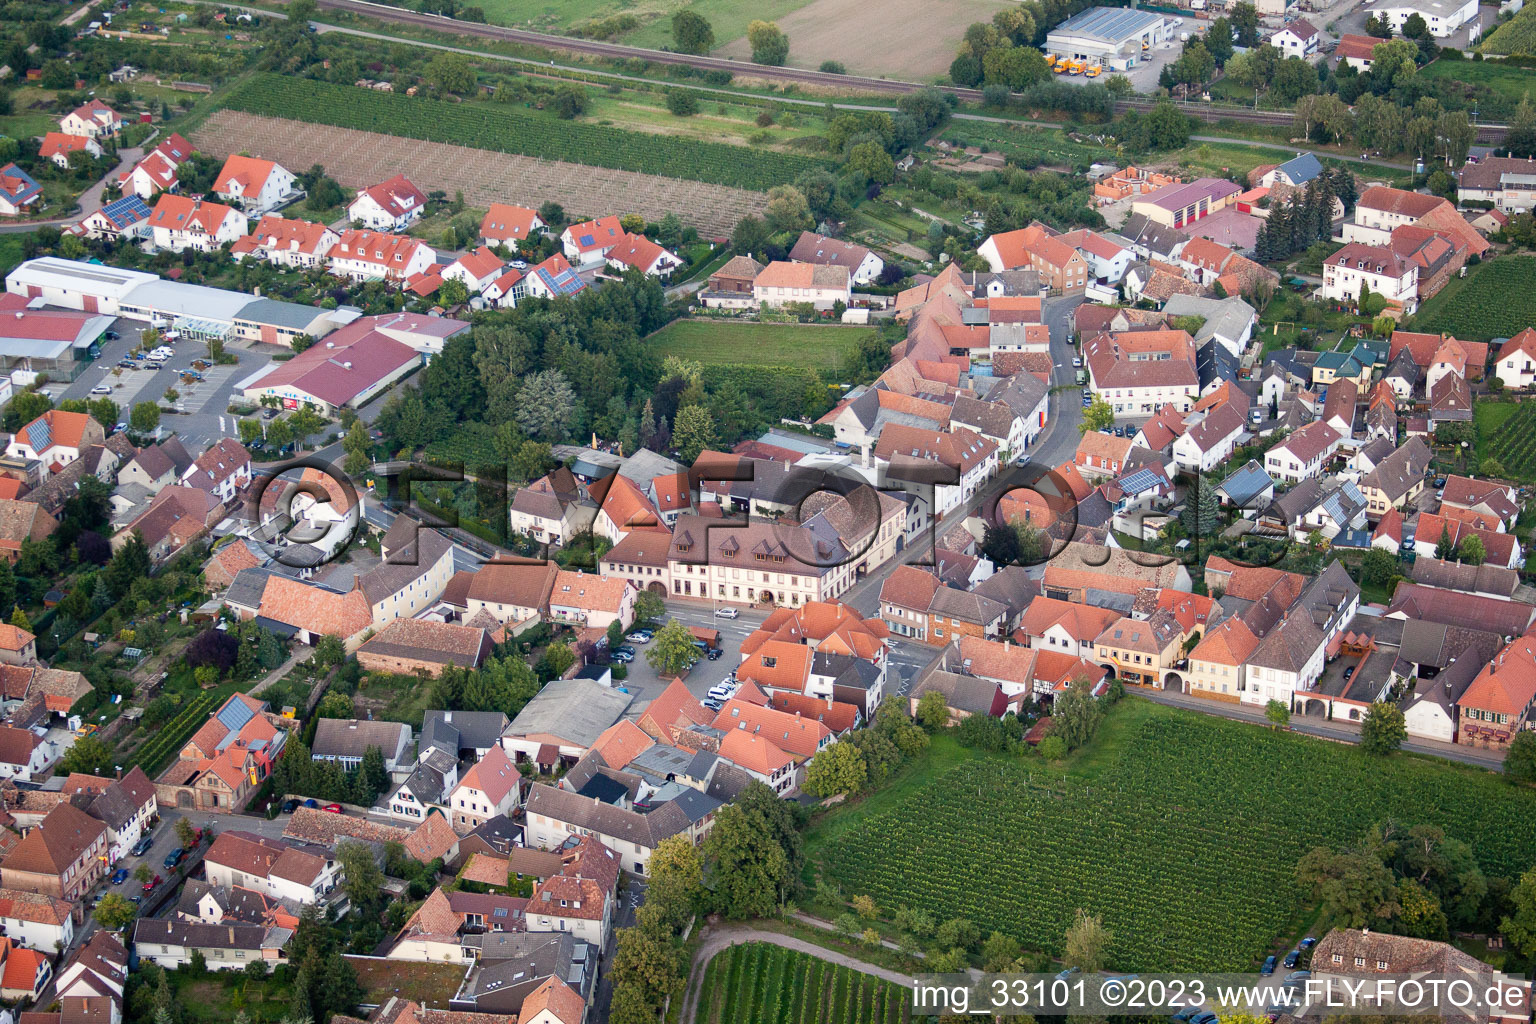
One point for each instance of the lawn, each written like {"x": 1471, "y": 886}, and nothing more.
{"x": 1182, "y": 830}
{"x": 1508, "y": 81}
{"x": 720, "y": 343}
{"x": 218, "y": 996}
{"x": 728, "y": 18}
{"x": 716, "y": 121}
{"x": 394, "y": 698}
{"x": 11, "y": 252}
{"x": 761, "y": 982}
{"x": 1494, "y": 300}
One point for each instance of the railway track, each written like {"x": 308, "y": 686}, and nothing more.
{"x": 1487, "y": 133}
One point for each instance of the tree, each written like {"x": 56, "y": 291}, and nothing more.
{"x": 357, "y": 444}
{"x": 1520, "y": 759}
{"x": 334, "y": 705}
{"x": 452, "y": 291}
{"x": 750, "y": 235}
{"x": 1218, "y": 41}
{"x": 1354, "y": 888}
{"x": 1075, "y": 714}
{"x": 672, "y": 651}
{"x": 649, "y": 607}
{"x": 1382, "y": 730}
{"x": 362, "y": 880}
{"x": 558, "y": 658}
{"x": 1202, "y": 513}
{"x": 1519, "y": 926}
{"x": 756, "y": 850}
{"x": 770, "y": 45}
{"x": 676, "y": 879}
{"x": 692, "y": 33}
{"x": 1245, "y": 24}
{"x": 1278, "y": 713}
{"x": 836, "y": 769}
{"x": 115, "y": 912}
{"x": 1444, "y": 547}
{"x": 374, "y": 774}
{"x": 1097, "y": 416}
{"x": 683, "y": 102}
{"x": 932, "y": 711}
{"x": 787, "y": 210}
{"x": 1087, "y": 942}
{"x": 693, "y": 431}
{"x": 451, "y": 72}
{"x": 545, "y": 404}
{"x": 870, "y": 161}
{"x": 570, "y": 103}
{"x": 185, "y": 833}
{"x": 89, "y": 756}
{"x": 1472, "y": 551}
{"x": 145, "y": 417}
{"x": 1378, "y": 568}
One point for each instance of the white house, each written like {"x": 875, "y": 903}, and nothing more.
{"x": 637, "y": 252}
{"x": 299, "y": 244}
{"x": 127, "y": 806}
{"x": 970, "y": 458}
{"x": 93, "y": 118}
{"x": 508, "y": 225}
{"x": 224, "y": 470}
{"x": 23, "y": 755}
{"x": 1107, "y": 262}
{"x": 56, "y": 438}
{"x": 255, "y": 186}
{"x": 1209, "y": 438}
{"x": 489, "y": 789}
{"x": 781, "y": 283}
{"x": 864, "y": 265}
{"x": 1516, "y": 362}
{"x": 374, "y": 256}
{"x": 178, "y": 223}
{"x": 18, "y": 190}
{"x": 270, "y": 867}
{"x": 37, "y": 921}
{"x": 1358, "y": 266}
{"x": 587, "y": 244}
{"x": 1297, "y": 39}
{"x": 388, "y": 206}
{"x": 58, "y": 147}
{"x": 477, "y": 268}
{"x": 1303, "y": 454}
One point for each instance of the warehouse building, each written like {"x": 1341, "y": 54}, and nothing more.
{"x": 1115, "y": 37}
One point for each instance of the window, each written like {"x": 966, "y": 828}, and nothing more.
{"x": 1381, "y": 965}
{"x": 1359, "y": 961}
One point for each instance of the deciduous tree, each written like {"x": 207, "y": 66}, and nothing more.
{"x": 692, "y": 33}
{"x": 1382, "y": 730}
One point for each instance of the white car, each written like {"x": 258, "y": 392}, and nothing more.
{"x": 101, "y": 389}
{"x": 727, "y": 613}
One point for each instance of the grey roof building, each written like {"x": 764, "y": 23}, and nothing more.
{"x": 576, "y": 711}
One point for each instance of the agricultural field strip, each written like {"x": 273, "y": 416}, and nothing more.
{"x": 1513, "y": 442}
{"x": 1497, "y": 301}
{"x": 359, "y": 159}
{"x": 767, "y": 984}
{"x": 1187, "y": 845}
{"x": 509, "y": 128}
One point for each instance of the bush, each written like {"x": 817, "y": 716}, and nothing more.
{"x": 683, "y": 102}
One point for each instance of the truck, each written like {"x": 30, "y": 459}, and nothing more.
{"x": 1078, "y": 67}
{"x": 1095, "y": 71}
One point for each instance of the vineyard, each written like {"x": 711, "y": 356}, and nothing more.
{"x": 359, "y": 159}
{"x": 510, "y": 128}
{"x": 1185, "y": 838}
{"x": 164, "y": 743}
{"x": 767, "y": 984}
{"x": 1515, "y": 36}
{"x": 1494, "y": 300}
{"x": 1513, "y": 441}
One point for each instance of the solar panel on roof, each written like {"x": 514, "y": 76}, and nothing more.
{"x": 587, "y": 239}
{"x": 41, "y": 433}
{"x": 233, "y": 716}
{"x": 1139, "y": 481}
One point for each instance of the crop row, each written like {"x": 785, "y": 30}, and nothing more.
{"x": 1514, "y": 443}
{"x": 174, "y": 733}
{"x": 768, "y": 984}
{"x": 510, "y": 129}
{"x": 1187, "y": 845}
{"x": 1497, "y": 302}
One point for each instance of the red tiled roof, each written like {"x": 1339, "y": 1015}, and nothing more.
{"x": 389, "y": 195}
{"x": 179, "y": 213}
{"x": 247, "y": 171}
{"x": 504, "y": 223}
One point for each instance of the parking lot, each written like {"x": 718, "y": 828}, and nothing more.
{"x": 203, "y": 419}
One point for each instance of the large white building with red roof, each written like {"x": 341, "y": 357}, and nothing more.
{"x": 254, "y": 185}
{"x": 504, "y": 224}
{"x": 93, "y": 118}
{"x": 636, "y": 252}
{"x": 1515, "y": 364}
{"x": 56, "y": 438}
{"x": 178, "y": 223}
{"x": 1377, "y": 268}
{"x": 58, "y": 147}
{"x": 287, "y": 242}
{"x": 365, "y": 255}
{"x": 157, "y": 171}
{"x": 388, "y": 206}
{"x": 476, "y": 268}
{"x": 344, "y": 369}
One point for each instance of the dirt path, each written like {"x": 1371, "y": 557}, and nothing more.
{"x": 718, "y": 939}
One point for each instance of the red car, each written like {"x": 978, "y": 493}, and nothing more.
{"x": 333, "y": 809}
{"x": 150, "y": 885}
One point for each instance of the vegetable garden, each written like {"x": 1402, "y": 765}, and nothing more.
{"x": 1185, "y": 837}
{"x": 1494, "y": 300}
{"x": 508, "y": 128}
{"x": 768, "y": 984}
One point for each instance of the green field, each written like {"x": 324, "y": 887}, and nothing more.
{"x": 1509, "y": 81}
{"x": 719, "y": 343}
{"x": 1049, "y": 147}
{"x": 1494, "y": 300}
{"x": 1182, "y": 830}
{"x": 1507, "y": 431}
{"x": 728, "y": 18}
{"x": 765, "y": 984}
{"x": 508, "y": 128}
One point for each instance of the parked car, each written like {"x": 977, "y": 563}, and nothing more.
{"x": 141, "y": 847}
{"x": 1077, "y": 362}
{"x": 311, "y": 803}
{"x": 134, "y": 898}
{"x": 1439, "y": 482}
{"x": 623, "y": 654}
{"x": 119, "y": 876}
{"x": 102, "y": 389}
{"x": 1291, "y": 958}
{"x": 119, "y": 428}
{"x": 111, "y": 335}
{"x": 127, "y": 364}
{"x": 289, "y": 806}
{"x": 333, "y": 809}
{"x": 174, "y": 858}
{"x": 711, "y": 703}
{"x": 727, "y": 613}
{"x": 1204, "y": 1017}
{"x": 1269, "y": 967}
{"x": 1307, "y": 943}
{"x": 639, "y": 636}
{"x": 149, "y": 886}
{"x": 1349, "y": 671}
{"x": 268, "y": 414}
{"x": 1296, "y": 978}
{"x": 714, "y": 654}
